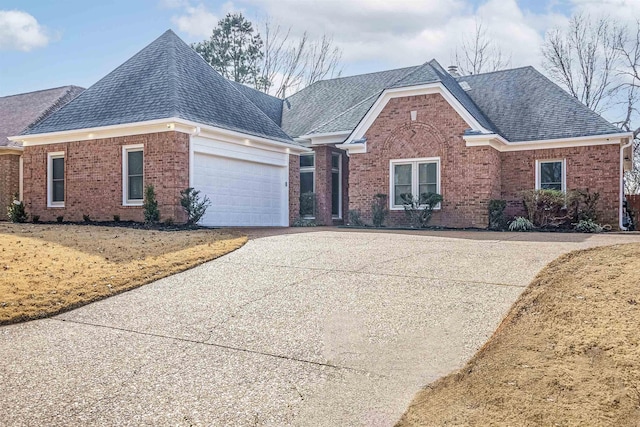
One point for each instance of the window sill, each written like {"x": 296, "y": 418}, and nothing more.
{"x": 133, "y": 205}
{"x": 401, "y": 208}
{"x": 55, "y": 206}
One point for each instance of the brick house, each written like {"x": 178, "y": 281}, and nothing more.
{"x": 166, "y": 118}
{"x": 18, "y": 113}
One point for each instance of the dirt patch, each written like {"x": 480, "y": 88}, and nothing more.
{"x": 47, "y": 269}
{"x": 567, "y": 354}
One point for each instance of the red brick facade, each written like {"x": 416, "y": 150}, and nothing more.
{"x": 9, "y": 181}
{"x": 469, "y": 176}
{"x": 323, "y": 180}
{"x": 294, "y": 188}
{"x": 93, "y": 177}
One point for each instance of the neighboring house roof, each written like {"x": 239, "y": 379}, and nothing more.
{"x": 524, "y": 105}
{"x": 519, "y": 104}
{"x": 19, "y": 112}
{"x": 165, "y": 79}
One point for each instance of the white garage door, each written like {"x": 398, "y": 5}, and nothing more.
{"x": 242, "y": 193}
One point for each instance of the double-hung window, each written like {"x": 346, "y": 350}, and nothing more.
{"x": 133, "y": 175}
{"x": 307, "y": 184}
{"x": 415, "y": 177}
{"x": 551, "y": 175}
{"x": 55, "y": 180}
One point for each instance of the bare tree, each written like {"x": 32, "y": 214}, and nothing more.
{"x": 292, "y": 63}
{"x": 479, "y": 53}
{"x": 583, "y": 58}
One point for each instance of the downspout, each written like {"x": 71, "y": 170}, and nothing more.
{"x": 621, "y": 215}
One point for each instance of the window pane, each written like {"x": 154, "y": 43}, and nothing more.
{"x": 399, "y": 190}
{"x": 135, "y": 162}
{"x": 135, "y": 188}
{"x": 551, "y": 173}
{"x": 58, "y": 168}
{"x": 428, "y": 188}
{"x": 551, "y": 186}
{"x": 58, "y": 191}
{"x": 335, "y": 194}
{"x": 306, "y": 182}
{"x": 306, "y": 160}
{"x": 428, "y": 173}
{"x": 335, "y": 161}
{"x": 402, "y": 175}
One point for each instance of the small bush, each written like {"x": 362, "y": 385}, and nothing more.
{"x": 116, "y": 218}
{"x": 302, "y": 222}
{"x": 588, "y": 226}
{"x": 86, "y": 218}
{"x": 419, "y": 210}
{"x": 546, "y": 208}
{"x": 521, "y": 224}
{"x": 195, "y": 208}
{"x": 497, "y": 220}
{"x": 355, "y": 219}
{"x": 379, "y": 209}
{"x": 583, "y": 205}
{"x": 308, "y": 204}
{"x": 151, "y": 211}
{"x": 35, "y": 219}
{"x": 168, "y": 221}
{"x": 16, "y": 210}
{"x": 59, "y": 219}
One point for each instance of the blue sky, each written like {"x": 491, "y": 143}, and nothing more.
{"x": 81, "y": 41}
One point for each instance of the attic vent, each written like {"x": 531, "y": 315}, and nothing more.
{"x": 465, "y": 86}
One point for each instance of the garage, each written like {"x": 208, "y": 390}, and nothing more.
{"x": 247, "y": 185}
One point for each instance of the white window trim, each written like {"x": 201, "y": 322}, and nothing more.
{"x": 125, "y": 174}
{"x": 311, "y": 169}
{"x": 564, "y": 172}
{"x": 414, "y": 178}
{"x": 50, "y": 157}
{"x": 339, "y": 216}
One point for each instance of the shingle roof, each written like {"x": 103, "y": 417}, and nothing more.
{"x": 165, "y": 79}
{"x": 321, "y": 102}
{"x": 270, "y": 105}
{"x": 524, "y": 105}
{"x": 19, "y": 112}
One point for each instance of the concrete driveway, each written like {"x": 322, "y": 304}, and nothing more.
{"x": 327, "y": 328}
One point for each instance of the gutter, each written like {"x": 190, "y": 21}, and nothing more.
{"x": 621, "y": 213}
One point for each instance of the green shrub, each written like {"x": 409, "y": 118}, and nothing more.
{"x": 151, "y": 211}
{"x": 59, "y": 219}
{"x": 86, "y": 218}
{"x": 583, "y": 205}
{"x": 35, "y": 218}
{"x": 497, "y": 220}
{"x": 116, "y": 218}
{"x": 379, "y": 209}
{"x": 303, "y": 222}
{"x": 546, "y": 208}
{"x": 195, "y": 208}
{"x": 308, "y": 204}
{"x": 355, "y": 219}
{"x": 16, "y": 210}
{"x": 588, "y": 226}
{"x": 419, "y": 210}
{"x": 521, "y": 224}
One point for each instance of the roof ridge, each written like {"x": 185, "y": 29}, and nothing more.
{"x": 363, "y": 74}
{"x": 54, "y": 107}
{"x": 40, "y": 90}
{"x": 344, "y": 112}
{"x": 497, "y": 71}
{"x": 415, "y": 70}
{"x": 172, "y": 66}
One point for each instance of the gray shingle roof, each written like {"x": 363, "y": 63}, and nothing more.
{"x": 165, "y": 79}
{"x": 524, "y": 105}
{"x": 270, "y": 105}
{"x": 19, "y": 112}
{"x": 321, "y": 102}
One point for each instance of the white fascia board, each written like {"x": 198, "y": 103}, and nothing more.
{"x": 326, "y": 138}
{"x": 426, "y": 89}
{"x": 11, "y": 150}
{"x": 154, "y": 126}
{"x": 502, "y": 145}
{"x": 359, "y": 148}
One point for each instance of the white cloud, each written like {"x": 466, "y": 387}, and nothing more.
{"x": 20, "y": 31}
{"x": 196, "y": 21}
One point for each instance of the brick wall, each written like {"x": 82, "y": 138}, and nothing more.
{"x": 93, "y": 177}
{"x": 470, "y": 176}
{"x": 294, "y": 188}
{"x": 595, "y": 168}
{"x": 9, "y": 181}
{"x": 323, "y": 177}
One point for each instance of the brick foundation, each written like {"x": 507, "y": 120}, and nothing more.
{"x": 93, "y": 177}
{"x": 9, "y": 181}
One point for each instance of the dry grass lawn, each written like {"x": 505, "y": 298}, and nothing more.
{"x": 567, "y": 354}
{"x": 47, "y": 269}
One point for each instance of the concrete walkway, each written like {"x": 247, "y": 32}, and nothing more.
{"x": 327, "y": 328}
